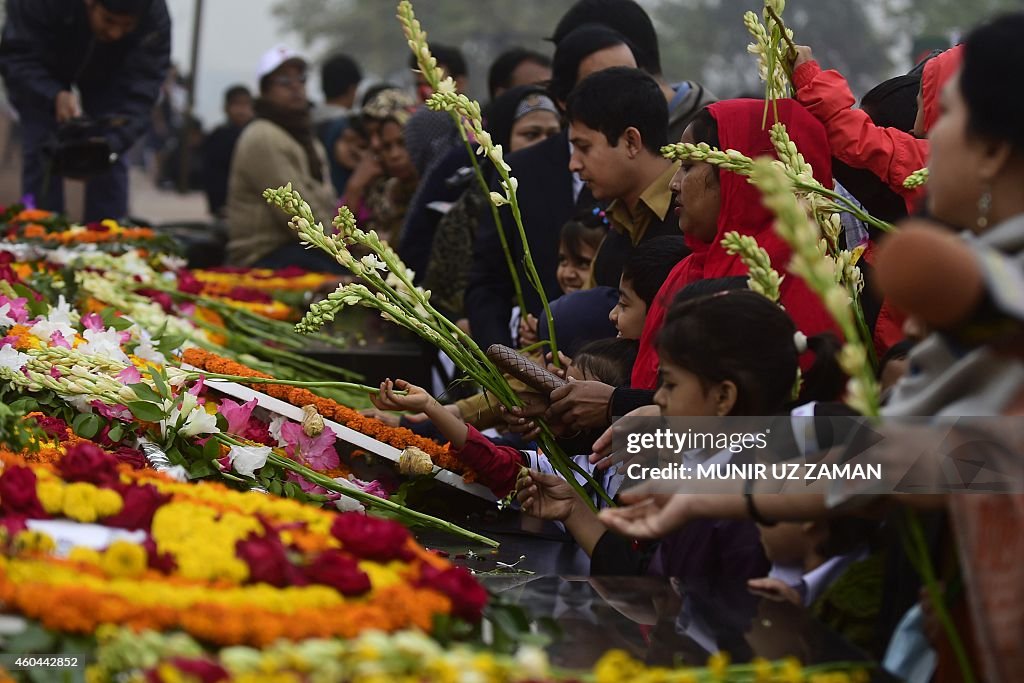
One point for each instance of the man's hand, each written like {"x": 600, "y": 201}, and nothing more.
{"x": 803, "y": 55}
{"x": 520, "y": 420}
{"x": 528, "y": 330}
{"x": 563, "y": 363}
{"x": 581, "y": 405}
{"x": 774, "y": 589}
{"x": 647, "y": 515}
{"x": 66, "y": 106}
{"x": 547, "y": 496}
{"x": 601, "y": 457}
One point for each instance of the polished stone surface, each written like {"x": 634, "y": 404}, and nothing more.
{"x": 657, "y": 620}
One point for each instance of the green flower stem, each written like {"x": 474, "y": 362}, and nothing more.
{"x": 917, "y": 549}
{"x": 286, "y": 382}
{"x": 407, "y": 515}
{"x": 531, "y": 269}
{"x": 495, "y": 214}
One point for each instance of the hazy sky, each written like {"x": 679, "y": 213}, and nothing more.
{"x": 234, "y": 35}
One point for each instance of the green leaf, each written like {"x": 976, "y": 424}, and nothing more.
{"x": 211, "y": 451}
{"x": 292, "y": 490}
{"x": 158, "y": 380}
{"x": 90, "y": 426}
{"x": 145, "y": 411}
{"x": 275, "y": 487}
{"x": 169, "y": 342}
{"x": 116, "y": 432}
{"x": 33, "y": 640}
{"x": 145, "y": 392}
{"x": 199, "y": 469}
{"x": 112, "y": 319}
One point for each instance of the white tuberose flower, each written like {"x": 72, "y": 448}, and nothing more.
{"x": 199, "y": 422}
{"x": 106, "y": 344}
{"x": 12, "y": 359}
{"x": 247, "y": 459}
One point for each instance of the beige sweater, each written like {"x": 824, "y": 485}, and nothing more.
{"x": 267, "y": 156}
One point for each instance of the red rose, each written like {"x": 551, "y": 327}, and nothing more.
{"x": 203, "y": 670}
{"x": 140, "y": 504}
{"x": 467, "y": 595}
{"x": 162, "y": 562}
{"x": 188, "y": 283}
{"x": 162, "y": 298}
{"x": 87, "y": 462}
{"x": 18, "y": 493}
{"x": 267, "y": 560}
{"x": 53, "y": 426}
{"x": 131, "y": 456}
{"x": 371, "y": 538}
{"x": 339, "y": 571}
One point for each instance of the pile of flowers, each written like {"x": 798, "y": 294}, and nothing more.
{"x": 291, "y": 279}
{"x": 45, "y": 228}
{"x": 410, "y": 656}
{"x": 224, "y": 566}
{"x": 399, "y": 437}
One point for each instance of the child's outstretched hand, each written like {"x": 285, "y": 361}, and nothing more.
{"x": 416, "y": 399}
{"x": 803, "y": 54}
{"x": 546, "y": 496}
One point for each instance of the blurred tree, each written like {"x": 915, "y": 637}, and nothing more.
{"x": 369, "y": 31}
{"x": 943, "y": 17}
{"x": 706, "y": 40}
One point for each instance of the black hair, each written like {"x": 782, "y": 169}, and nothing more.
{"x": 134, "y": 8}
{"x": 500, "y": 112}
{"x": 897, "y": 351}
{"x": 338, "y": 75}
{"x": 890, "y": 104}
{"x": 625, "y": 16}
{"x": 990, "y": 51}
{"x": 588, "y": 227}
{"x": 448, "y": 58}
{"x": 612, "y": 100}
{"x": 651, "y": 262}
{"x": 500, "y": 74}
{"x": 609, "y": 361}
{"x": 573, "y": 49}
{"x": 375, "y": 90}
{"x": 705, "y": 129}
{"x": 711, "y": 337}
{"x": 234, "y": 92}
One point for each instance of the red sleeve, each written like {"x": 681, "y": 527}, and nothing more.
{"x": 496, "y": 467}
{"x": 889, "y": 153}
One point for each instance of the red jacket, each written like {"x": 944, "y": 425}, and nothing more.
{"x": 889, "y": 153}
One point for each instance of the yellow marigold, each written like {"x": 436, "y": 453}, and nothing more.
{"x": 718, "y": 664}
{"x": 30, "y": 541}
{"x": 790, "y": 671}
{"x": 124, "y": 559}
{"x": 51, "y": 495}
{"x": 381, "y": 575}
{"x": 80, "y": 502}
{"x": 108, "y": 502}
{"x": 84, "y": 555}
{"x": 616, "y": 666}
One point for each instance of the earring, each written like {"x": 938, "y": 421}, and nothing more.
{"x": 984, "y": 206}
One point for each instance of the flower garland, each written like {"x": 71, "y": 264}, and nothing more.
{"x": 107, "y": 231}
{"x": 263, "y": 279}
{"x": 399, "y": 437}
{"x": 226, "y": 567}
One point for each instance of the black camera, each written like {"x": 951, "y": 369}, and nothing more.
{"x": 80, "y": 150}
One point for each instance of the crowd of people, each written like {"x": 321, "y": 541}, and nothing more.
{"x": 652, "y": 313}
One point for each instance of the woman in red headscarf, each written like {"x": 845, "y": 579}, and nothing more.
{"x": 712, "y": 202}
{"x": 889, "y": 153}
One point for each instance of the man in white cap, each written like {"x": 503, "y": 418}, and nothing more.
{"x": 278, "y": 147}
